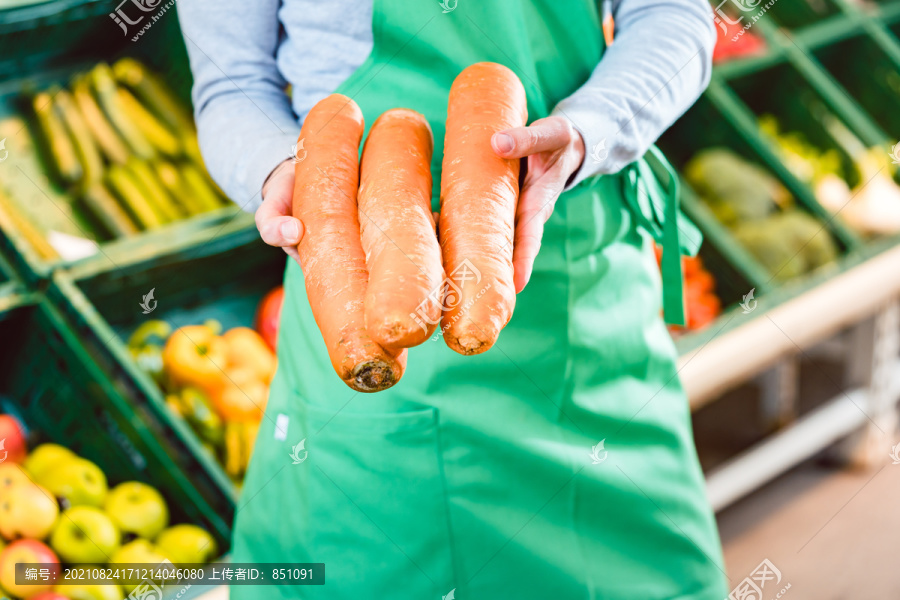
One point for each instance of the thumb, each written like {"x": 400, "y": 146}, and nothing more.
{"x": 541, "y": 136}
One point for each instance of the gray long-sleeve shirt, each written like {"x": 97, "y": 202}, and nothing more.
{"x": 243, "y": 54}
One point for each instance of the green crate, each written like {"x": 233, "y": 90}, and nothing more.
{"x": 887, "y": 11}
{"x": 57, "y": 33}
{"x": 876, "y": 87}
{"x": 795, "y": 14}
{"x": 12, "y": 291}
{"x": 222, "y": 278}
{"x": 63, "y": 396}
{"x": 804, "y": 73}
{"x": 893, "y": 26}
{"x": 55, "y": 59}
{"x": 718, "y": 119}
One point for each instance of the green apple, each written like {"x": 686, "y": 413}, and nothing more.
{"x": 187, "y": 544}
{"x": 76, "y": 482}
{"x": 27, "y": 510}
{"x": 11, "y": 475}
{"x": 46, "y": 456}
{"x": 24, "y": 551}
{"x": 84, "y": 534}
{"x": 91, "y": 591}
{"x": 138, "y": 552}
{"x": 137, "y": 508}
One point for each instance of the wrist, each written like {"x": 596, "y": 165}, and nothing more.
{"x": 278, "y": 170}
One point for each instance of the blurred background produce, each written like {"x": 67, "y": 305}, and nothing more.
{"x": 218, "y": 382}
{"x": 108, "y": 155}
{"x": 57, "y": 507}
{"x": 761, "y": 214}
{"x": 789, "y": 167}
{"x": 864, "y": 194}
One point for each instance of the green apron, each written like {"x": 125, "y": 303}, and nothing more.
{"x": 484, "y": 477}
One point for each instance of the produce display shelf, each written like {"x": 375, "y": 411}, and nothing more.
{"x": 54, "y": 33}
{"x": 799, "y": 14}
{"x": 802, "y": 56}
{"x": 831, "y": 30}
{"x": 716, "y": 359}
{"x": 887, "y": 13}
{"x": 42, "y": 36}
{"x": 205, "y": 232}
{"x": 221, "y": 278}
{"x": 213, "y": 266}
{"x": 820, "y": 80}
{"x": 63, "y": 396}
{"x": 743, "y": 65}
{"x": 827, "y": 424}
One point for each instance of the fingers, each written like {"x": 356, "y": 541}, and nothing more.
{"x": 273, "y": 218}
{"x": 544, "y": 135}
{"x": 281, "y": 231}
{"x": 535, "y": 206}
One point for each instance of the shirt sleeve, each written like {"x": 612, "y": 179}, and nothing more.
{"x": 245, "y": 123}
{"x": 657, "y": 67}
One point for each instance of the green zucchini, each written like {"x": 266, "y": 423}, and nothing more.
{"x": 108, "y": 211}
{"x": 123, "y": 182}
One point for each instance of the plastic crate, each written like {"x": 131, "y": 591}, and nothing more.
{"x": 57, "y": 33}
{"x": 795, "y": 14}
{"x": 63, "y": 396}
{"x": 52, "y": 56}
{"x": 724, "y": 123}
{"x": 876, "y": 88}
{"x": 12, "y": 291}
{"x": 222, "y": 279}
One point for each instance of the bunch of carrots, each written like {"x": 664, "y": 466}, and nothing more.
{"x": 373, "y": 264}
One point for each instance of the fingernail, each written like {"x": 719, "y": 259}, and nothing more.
{"x": 289, "y": 231}
{"x": 503, "y": 142}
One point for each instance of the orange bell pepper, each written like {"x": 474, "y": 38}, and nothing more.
{"x": 247, "y": 350}
{"x": 242, "y": 398}
{"x": 195, "y": 356}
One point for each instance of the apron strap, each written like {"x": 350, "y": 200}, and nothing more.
{"x": 655, "y": 207}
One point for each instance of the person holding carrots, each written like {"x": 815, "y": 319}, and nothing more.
{"x": 552, "y": 459}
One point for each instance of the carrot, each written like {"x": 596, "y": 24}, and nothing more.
{"x": 331, "y": 254}
{"x": 479, "y": 192}
{"x": 403, "y": 257}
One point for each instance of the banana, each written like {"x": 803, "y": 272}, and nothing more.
{"x": 108, "y": 97}
{"x": 123, "y": 182}
{"x": 154, "y": 131}
{"x": 81, "y": 137}
{"x": 202, "y": 193}
{"x": 177, "y": 187}
{"x": 154, "y": 93}
{"x": 104, "y": 133}
{"x": 59, "y": 145}
{"x": 250, "y": 431}
{"x": 154, "y": 191}
{"x": 174, "y": 403}
{"x": 233, "y": 449}
{"x": 13, "y": 220}
{"x": 192, "y": 148}
{"x": 108, "y": 211}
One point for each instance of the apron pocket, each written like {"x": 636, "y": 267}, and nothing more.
{"x": 371, "y": 498}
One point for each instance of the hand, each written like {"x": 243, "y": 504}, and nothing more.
{"x": 273, "y": 217}
{"x": 555, "y": 150}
